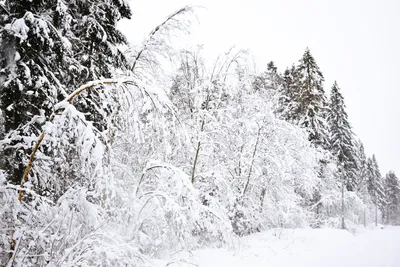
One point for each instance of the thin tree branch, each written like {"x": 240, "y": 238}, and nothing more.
{"x": 252, "y": 161}
{"x": 156, "y": 30}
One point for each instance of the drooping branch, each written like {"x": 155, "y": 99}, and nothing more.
{"x": 69, "y": 100}
{"x": 169, "y": 22}
{"x": 145, "y": 172}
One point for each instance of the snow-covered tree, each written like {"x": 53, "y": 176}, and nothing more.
{"x": 361, "y": 174}
{"x": 392, "y": 194}
{"x": 310, "y": 101}
{"x": 375, "y": 185}
{"x": 287, "y": 102}
{"x": 31, "y": 59}
{"x": 361, "y": 170}
{"x": 341, "y": 140}
{"x": 90, "y": 27}
{"x": 269, "y": 80}
{"x": 245, "y": 146}
{"x": 50, "y": 48}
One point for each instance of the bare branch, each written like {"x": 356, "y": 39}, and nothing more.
{"x": 167, "y": 24}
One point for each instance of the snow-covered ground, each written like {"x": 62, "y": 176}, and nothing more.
{"x": 302, "y": 247}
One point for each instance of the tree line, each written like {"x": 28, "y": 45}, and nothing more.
{"x": 105, "y": 159}
{"x": 303, "y": 102}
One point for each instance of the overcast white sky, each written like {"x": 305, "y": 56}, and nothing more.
{"x": 356, "y": 42}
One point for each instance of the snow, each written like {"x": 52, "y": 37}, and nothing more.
{"x": 19, "y": 28}
{"x": 302, "y": 247}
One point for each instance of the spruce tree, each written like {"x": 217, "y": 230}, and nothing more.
{"x": 392, "y": 191}
{"x": 31, "y": 59}
{"x": 273, "y": 75}
{"x": 361, "y": 170}
{"x": 91, "y": 29}
{"x": 362, "y": 176}
{"x": 303, "y": 102}
{"x": 269, "y": 80}
{"x": 341, "y": 142}
{"x": 375, "y": 185}
{"x": 288, "y": 90}
{"x": 311, "y": 104}
{"x": 48, "y": 49}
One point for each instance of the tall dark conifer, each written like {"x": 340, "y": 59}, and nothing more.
{"x": 32, "y": 55}
{"x": 392, "y": 191}
{"x": 376, "y": 185}
{"x": 310, "y": 100}
{"x": 361, "y": 169}
{"x": 288, "y": 90}
{"x": 341, "y": 141}
{"x": 48, "y": 49}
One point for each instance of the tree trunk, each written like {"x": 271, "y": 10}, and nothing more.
{"x": 343, "y": 226}
{"x": 252, "y": 161}
{"x": 376, "y": 213}
{"x": 365, "y": 210}
{"x": 262, "y": 199}
{"x": 196, "y": 157}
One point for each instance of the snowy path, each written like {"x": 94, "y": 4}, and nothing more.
{"x": 308, "y": 248}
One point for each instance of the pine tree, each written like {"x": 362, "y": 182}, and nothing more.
{"x": 341, "y": 142}
{"x": 311, "y": 103}
{"x": 392, "y": 191}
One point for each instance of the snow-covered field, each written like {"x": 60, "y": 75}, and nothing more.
{"x": 302, "y": 247}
